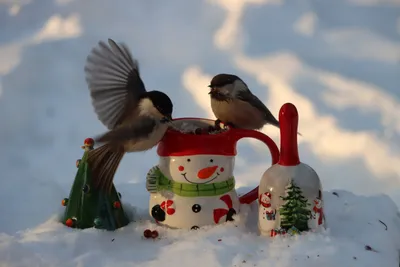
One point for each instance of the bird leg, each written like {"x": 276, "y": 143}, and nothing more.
{"x": 216, "y": 124}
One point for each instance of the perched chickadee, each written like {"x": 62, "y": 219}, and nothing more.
{"x": 234, "y": 104}
{"x": 136, "y": 119}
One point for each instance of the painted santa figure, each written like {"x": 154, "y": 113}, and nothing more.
{"x": 193, "y": 185}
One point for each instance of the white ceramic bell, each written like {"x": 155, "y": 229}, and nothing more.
{"x": 290, "y": 192}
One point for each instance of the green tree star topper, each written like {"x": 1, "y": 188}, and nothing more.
{"x": 295, "y": 211}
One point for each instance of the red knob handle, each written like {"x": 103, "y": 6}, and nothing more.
{"x": 289, "y": 120}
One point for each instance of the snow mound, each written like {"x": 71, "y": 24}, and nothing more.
{"x": 362, "y": 231}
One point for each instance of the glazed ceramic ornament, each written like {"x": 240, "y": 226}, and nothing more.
{"x": 193, "y": 184}
{"x": 290, "y": 192}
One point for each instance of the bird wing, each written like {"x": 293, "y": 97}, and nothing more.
{"x": 141, "y": 128}
{"x": 253, "y": 100}
{"x": 113, "y": 78}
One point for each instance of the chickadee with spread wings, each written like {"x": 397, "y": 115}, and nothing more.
{"x": 136, "y": 119}
{"x": 234, "y": 104}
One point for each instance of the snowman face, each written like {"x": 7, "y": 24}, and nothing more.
{"x": 197, "y": 169}
{"x": 265, "y": 199}
{"x": 318, "y": 203}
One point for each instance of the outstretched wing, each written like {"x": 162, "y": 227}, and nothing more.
{"x": 113, "y": 78}
{"x": 253, "y": 100}
{"x": 139, "y": 129}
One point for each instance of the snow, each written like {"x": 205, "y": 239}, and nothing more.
{"x": 353, "y": 223}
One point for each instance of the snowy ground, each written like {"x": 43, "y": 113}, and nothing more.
{"x": 353, "y": 225}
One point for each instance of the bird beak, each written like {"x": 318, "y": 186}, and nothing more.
{"x": 166, "y": 118}
{"x": 212, "y": 89}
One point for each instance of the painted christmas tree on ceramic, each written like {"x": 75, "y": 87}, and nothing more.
{"x": 87, "y": 207}
{"x": 295, "y": 212}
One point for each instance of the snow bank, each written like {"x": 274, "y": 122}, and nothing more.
{"x": 356, "y": 236}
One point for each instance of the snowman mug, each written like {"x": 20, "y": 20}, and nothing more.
{"x": 193, "y": 184}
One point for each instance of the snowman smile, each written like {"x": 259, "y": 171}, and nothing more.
{"x": 184, "y": 176}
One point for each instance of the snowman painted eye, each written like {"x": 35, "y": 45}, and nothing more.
{"x": 181, "y": 168}
{"x": 222, "y": 169}
{"x": 211, "y": 160}
{"x": 188, "y": 160}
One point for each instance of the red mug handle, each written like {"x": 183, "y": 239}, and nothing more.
{"x": 273, "y": 148}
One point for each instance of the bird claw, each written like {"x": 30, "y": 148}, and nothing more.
{"x": 217, "y": 125}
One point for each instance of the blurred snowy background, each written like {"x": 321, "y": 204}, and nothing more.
{"x": 337, "y": 61}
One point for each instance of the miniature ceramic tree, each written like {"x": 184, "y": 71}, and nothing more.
{"x": 87, "y": 207}
{"x": 295, "y": 211}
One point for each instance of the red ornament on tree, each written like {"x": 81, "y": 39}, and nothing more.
{"x": 117, "y": 204}
{"x": 64, "y": 202}
{"x": 69, "y": 222}
{"x": 88, "y": 143}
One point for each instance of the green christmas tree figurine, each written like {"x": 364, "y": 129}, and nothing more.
{"x": 87, "y": 207}
{"x": 295, "y": 211}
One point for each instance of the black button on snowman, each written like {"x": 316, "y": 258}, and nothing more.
{"x": 196, "y": 208}
{"x": 157, "y": 213}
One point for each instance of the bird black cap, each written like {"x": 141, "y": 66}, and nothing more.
{"x": 223, "y": 79}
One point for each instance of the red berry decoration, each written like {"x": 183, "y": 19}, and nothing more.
{"x": 117, "y": 205}
{"x": 147, "y": 233}
{"x": 69, "y": 222}
{"x": 154, "y": 234}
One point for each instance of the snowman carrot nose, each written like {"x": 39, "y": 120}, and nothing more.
{"x": 206, "y": 172}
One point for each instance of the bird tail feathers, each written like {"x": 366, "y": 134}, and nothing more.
{"x": 103, "y": 163}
